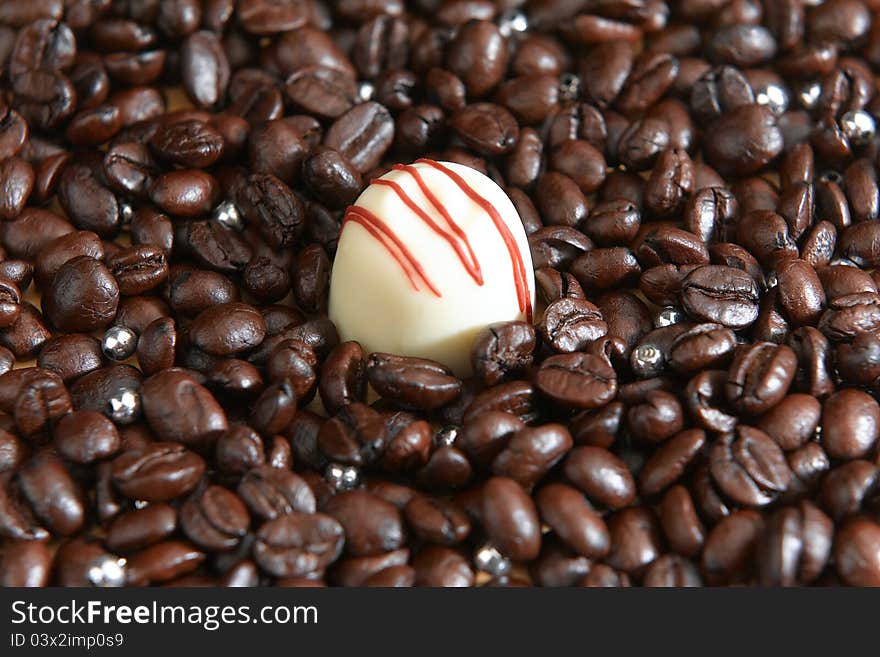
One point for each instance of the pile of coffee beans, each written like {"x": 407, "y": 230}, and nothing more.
{"x": 694, "y": 405}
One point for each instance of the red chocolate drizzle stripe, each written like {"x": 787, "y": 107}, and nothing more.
{"x": 519, "y": 273}
{"x": 380, "y": 231}
{"x": 472, "y": 267}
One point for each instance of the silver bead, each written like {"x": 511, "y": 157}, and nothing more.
{"x": 770, "y": 281}
{"x": 141, "y": 504}
{"x": 569, "y": 86}
{"x": 512, "y": 21}
{"x": 858, "y": 127}
{"x": 809, "y": 94}
{"x": 774, "y": 96}
{"x": 107, "y": 572}
{"x": 668, "y": 316}
{"x": 489, "y": 559}
{"x": 646, "y": 361}
{"x": 227, "y": 214}
{"x": 119, "y": 343}
{"x": 446, "y": 436}
{"x": 342, "y": 477}
{"x": 124, "y": 407}
{"x": 365, "y": 91}
{"x": 126, "y": 212}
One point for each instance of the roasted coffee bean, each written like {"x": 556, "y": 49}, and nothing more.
{"x": 214, "y": 518}
{"x": 138, "y": 269}
{"x": 749, "y": 467}
{"x": 356, "y": 435}
{"x": 511, "y": 519}
{"x": 668, "y": 464}
{"x": 180, "y": 409}
{"x": 729, "y": 552}
{"x": 570, "y": 324}
{"x": 573, "y": 519}
{"x": 372, "y": 525}
{"x": 204, "y": 68}
{"x": 531, "y": 452}
{"x": 850, "y": 424}
{"x": 413, "y": 382}
{"x": 855, "y": 552}
{"x": 635, "y": 540}
{"x": 601, "y": 476}
{"x": 744, "y": 140}
{"x": 162, "y": 562}
{"x": 795, "y": 546}
{"x": 487, "y": 128}
{"x": 362, "y": 135}
{"x": 86, "y": 437}
{"x": 269, "y": 205}
{"x": 25, "y": 564}
{"x": 185, "y": 192}
{"x": 71, "y": 356}
{"x": 157, "y": 472}
{"x": 437, "y": 521}
{"x": 601, "y": 269}
{"x": 298, "y": 544}
{"x": 442, "y": 566}
{"x": 720, "y": 293}
{"x": 656, "y": 418}
{"x": 502, "y": 350}
{"x": 478, "y": 55}
{"x": 140, "y": 528}
{"x": 577, "y": 380}
{"x": 52, "y": 493}
{"x": 760, "y": 376}
{"x": 89, "y": 204}
{"x": 792, "y": 422}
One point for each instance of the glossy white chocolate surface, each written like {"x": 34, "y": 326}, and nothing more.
{"x": 371, "y": 298}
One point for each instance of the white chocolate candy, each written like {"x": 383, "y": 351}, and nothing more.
{"x": 430, "y": 254}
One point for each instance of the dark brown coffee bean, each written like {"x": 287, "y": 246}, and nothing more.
{"x": 730, "y": 548}
{"x": 362, "y": 135}
{"x": 850, "y": 424}
{"x": 214, "y": 518}
{"x": 744, "y": 140}
{"x": 412, "y": 381}
{"x": 298, "y": 544}
{"x": 52, "y": 493}
{"x": 487, "y": 128}
{"x": 760, "y": 376}
{"x": 204, "y": 68}
{"x": 478, "y": 55}
{"x": 579, "y": 380}
{"x": 25, "y": 564}
{"x": 601, "y": 476}
{"x": 795, "y": 546}
{"x": 269, "y": 205}
{"x": 635, "y": 540}
{"x": 86, "y": 437}
{"x": 720, "y": 293}
{"x": 185, "y": 193}
{"x": 749, "y": 467}
{"x": 179, "y": 409}
{"x": 573, "y": 519}
{"x": 531, "y": 453}
{"x": 511, "y": 519}
{"x": 438, "y": 565}
{"x": 158, "y": 472}
{"x": 502, "y": 350}
{"x": 140, "y": 528}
